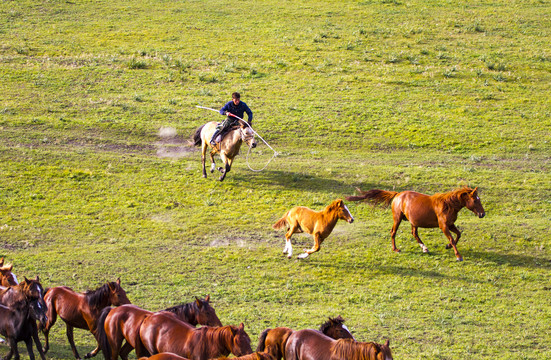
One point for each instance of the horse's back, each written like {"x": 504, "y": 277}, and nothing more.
{"x": 418, "y": 208}
{"x": 308, "y": 344}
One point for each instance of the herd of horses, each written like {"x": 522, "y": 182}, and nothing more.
{"x": 119, "y": 327}
{"x": 170, "y": 334}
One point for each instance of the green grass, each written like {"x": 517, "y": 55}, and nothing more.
{"x": 424, "y": 96}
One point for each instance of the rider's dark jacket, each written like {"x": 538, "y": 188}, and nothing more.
{"x": 238, "y": 110}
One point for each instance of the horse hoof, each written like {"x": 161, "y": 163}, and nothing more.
{"x": 289, "y": 256}
{"x": 448, "y": 246}
{"x": 460, "y": 259}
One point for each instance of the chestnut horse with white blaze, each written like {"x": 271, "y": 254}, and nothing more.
{"x": 228, "y": 148}
{"x": 319, "y": 224}
{"x": 426, "y": 211}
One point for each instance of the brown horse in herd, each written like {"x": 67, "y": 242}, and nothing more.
{"x": 164, "y": 332}
{"x": 426, "y": 211}
{"x": 21, "y": 307}
{"x": 7, "y": 278}
{"x": 273, "y": 341}
{"x": 313, "y": 345}
{"x": 172, "y": 356}
{"x": 81, "y": 310}
{"x": 317, "y": 223}
{"x": 123, "y": 324}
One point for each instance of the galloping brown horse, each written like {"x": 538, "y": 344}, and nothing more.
{"x": 313, "y": 345}
{"x": 7, "y": 278}
{"x": 273, "y": 341}
{"x": 228, "y": 148}
{"x": 317, "y": 223}
{"x": 123, "y": 323}
{"x": 426, "y": 211}
{"x": 163, "y": 332}
{"x": 79, "y": 310}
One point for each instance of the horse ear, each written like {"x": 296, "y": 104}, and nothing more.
{"x": 475, "y": 189}
{"x": 207, "y": 299}
{"x": 26, "y": 280}
{"x": 198, "y": 302}
{"x": 241, "y": 326}
{"x": 119, "y": 281}
{"x": 1, "y": 261}
{"x": 10, "y": 266}
{"x": 37, "y": 279}
{"x": 387, "y": 343}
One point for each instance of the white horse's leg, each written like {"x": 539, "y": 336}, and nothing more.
{"x": 304, "y": 255}
{"x": 288, "y": 247}
{"x": 212, "y": 167}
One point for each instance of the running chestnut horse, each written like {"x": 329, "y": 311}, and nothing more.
{"x": 313, "y": 345}
{"x": 426, "y": 211}
{"x": 7, "y": 278}
{"x": 228, "y": 148}
{"x": 123, "y": 324}
{"x": 273, "y": 341}
{"x": 164, "y": 332}
{"x": 317, "y": 223}
{"x": 81, "y": 310}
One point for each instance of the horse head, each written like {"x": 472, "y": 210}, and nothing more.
{"x": 7, "y": 278}
{"x": 342, "y": 211}
{"x": 34, "y": 293}
{"x": 384, "y": 351}
{"x": 335, "y": 329}
{"x": 205, "y": 315}
{"x": 117, "y": 295}
{"x": 241, "y": 342}
{"x": 472, "y": 202}
{"x": 247, "y": 136}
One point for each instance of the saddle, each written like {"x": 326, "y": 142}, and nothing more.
{"x": 225, "y": 132}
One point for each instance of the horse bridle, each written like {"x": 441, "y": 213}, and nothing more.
{"x": 244, "y": 136}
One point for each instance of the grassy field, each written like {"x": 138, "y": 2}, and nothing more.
{"x": 399, "y": 95}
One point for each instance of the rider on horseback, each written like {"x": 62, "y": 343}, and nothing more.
{"x": 235, "y": 107}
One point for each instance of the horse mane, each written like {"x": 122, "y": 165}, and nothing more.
{"x": 452, "y": 201}
{"x": 326, "y": 325}
{"x": 185, "y": 311}
{"x": 96, "y": 298}
{"x": 262, "y": 340}
{"x": 353, "y": 350}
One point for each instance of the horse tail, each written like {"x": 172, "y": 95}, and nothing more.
{"x": 101, "y": 335}
{"x": 375, "y": 195}
{"x": 281, "y": 222}
{"x": 197, "y": 136}
{"x": 262, "y": 340}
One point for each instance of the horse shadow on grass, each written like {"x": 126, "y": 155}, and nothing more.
{"x": 302, "y": 181}
{"x": 515, "y": 260}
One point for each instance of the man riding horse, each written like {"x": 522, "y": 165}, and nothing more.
{"x": 234, "y": 107}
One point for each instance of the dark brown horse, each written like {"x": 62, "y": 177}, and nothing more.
{"x": 317, "y": 223}
{"x": 313, "y": 345}
{"x": 228, "y": 148}
{"x": 123, "y": 323}
{"x": 7, "y": 278}
{"x": 18, "y": 323}
{"x": 163, "y": 332}
{"x": 426, "y": 211}
{"x": 25, "y": 301}
{"x": 81, "y": 310}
